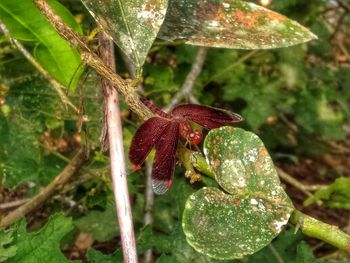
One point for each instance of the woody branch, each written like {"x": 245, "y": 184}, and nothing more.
{"x": 116, "y": 151}
{"x": 90, "y": 58}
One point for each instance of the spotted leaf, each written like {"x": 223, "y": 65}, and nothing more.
{"x": 230, "y": 24}
{"x": 224, "y": 226}
{"x": 241, "y": 162}
{"x": 254, "y": 208}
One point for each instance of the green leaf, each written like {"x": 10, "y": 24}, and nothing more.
{"x": 230, "y": 24}
{"x": 103, "y": 225}
{"x": 7, "y": 249}
{"x": 44, "y": 245}
{"x": 26, "y": 23}
{"x": 95, "y": 256}
{"x": 66, "y": 15}
{"x": 133, "y": 25}
{"x": 336, "y": 195}
{"x": 228, "y": 226}
{"x": 242, "y": 163}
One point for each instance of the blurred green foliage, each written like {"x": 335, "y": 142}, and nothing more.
{"x": 7, "y": 249}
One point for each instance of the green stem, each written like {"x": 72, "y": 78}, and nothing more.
{"x": 199, "y": 162}
{"x": 328, "y": 233}
{"x": 184, "y": 155}
{"x": 191, "y": 160}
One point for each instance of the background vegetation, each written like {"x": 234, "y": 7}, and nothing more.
{"x": 296, "y": 99}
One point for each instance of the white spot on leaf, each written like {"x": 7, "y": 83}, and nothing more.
{"x": 253, "y": 201}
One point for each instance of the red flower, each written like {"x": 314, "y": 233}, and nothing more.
{"x": 163, "y": 132}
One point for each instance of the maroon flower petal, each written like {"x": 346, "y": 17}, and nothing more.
{"x": 145, "y": 138}
{"x": 164, "y": 161}
{"x": 208, "y": 117}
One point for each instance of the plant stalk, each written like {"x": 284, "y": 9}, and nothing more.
{"x": 328, "y": 233}
{"x": 116, "y": 151}
{"x": 149, "y": 203}
{"x": 186, "y": 89}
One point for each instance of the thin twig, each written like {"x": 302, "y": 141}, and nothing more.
{"x": 55, "y": 84}
{"x": 345, "y": 6}
{"x": 294, "y": 182}
{"x": 149, "y": 202}
{"x": 276, "y": 254}
{"x": 44, "y": 194}
{"x": 193, "y": 99}
{"x": 306, "y": 189}
{"x": 79, "y": 181}
{"x": 338, "y": 26}
{"x": 13, "y": 204}
{"x": 116, "y": 149}
{"x": 186, "y": 89}
{"x": 91, "y": 59}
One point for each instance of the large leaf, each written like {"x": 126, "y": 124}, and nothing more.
{"x": 230, "y": 24}
{"x": 44, "y": 245}
{"x": 228, "y": 226}
{"x": 133, "y": 25}
{"x": 26, "y": 23}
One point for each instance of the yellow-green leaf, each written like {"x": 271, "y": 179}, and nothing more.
{"x": 26, "y": 23}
